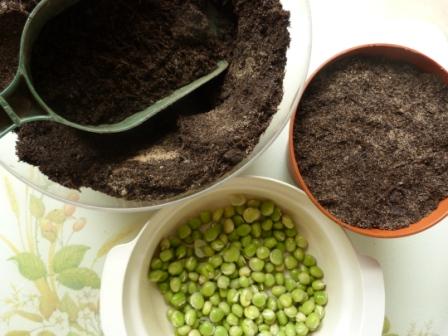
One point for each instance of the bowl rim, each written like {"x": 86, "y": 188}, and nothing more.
{"x": 287, "y": 105}
{"x": 438, "y": 214}
{"x": 134, "y": 260}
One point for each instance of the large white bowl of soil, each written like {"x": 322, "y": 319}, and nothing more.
{"x": 131, "y": 305}
{"x": 57, "y": 156}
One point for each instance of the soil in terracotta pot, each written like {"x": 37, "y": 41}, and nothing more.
{"x": 371, "y": 140}
{"x": 191, "y": 144}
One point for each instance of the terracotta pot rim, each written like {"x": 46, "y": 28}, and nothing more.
{"x": 425, "y": 223}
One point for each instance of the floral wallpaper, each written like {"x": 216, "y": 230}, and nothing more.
{"x": 415, "y": 329}
{"x": 53, "y": 272}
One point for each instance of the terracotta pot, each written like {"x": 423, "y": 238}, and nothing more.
{"x": 395, "y": 52}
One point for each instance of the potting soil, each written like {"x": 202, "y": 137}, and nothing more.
{"x": 194, "y": 142}
{"x": 371, "y": 141}
{"x": 12, "y": 20}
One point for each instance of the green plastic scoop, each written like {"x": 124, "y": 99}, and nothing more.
{"x": 22, "y": 104}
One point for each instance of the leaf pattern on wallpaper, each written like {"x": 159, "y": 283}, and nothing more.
{"x": 30, "y": 266}
{"x": 426, "y": 330}
{"x": 62, "y": 292}
{"x": 68, "y": 257}
{"x": 78, "y": 278}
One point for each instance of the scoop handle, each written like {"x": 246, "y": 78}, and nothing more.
{"x": 18, "y": 105}
{"x": 8, "y": 119}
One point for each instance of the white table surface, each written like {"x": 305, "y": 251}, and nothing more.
{"x": 415, "y": 268}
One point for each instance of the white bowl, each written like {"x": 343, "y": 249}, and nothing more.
{"x": 298, "y": 55}
{"x": 131, "y": 305}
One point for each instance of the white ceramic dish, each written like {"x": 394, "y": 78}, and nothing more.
{"x": 130, "y": 305}
{"x": 296, "y": 69}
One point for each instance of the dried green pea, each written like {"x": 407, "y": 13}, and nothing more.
{"x": 197, "y": 301}
{"x": 251, "y": 312}
{"x": 216, "y": 315}
{"x": 250, "y": 250}
{"x": 316, "y": 272}
{"x": 166, "y": 255}
{"x": 156, "y": 264}
{"x": 237, "y": 310}
{"x": 276, "y": 257}
{"x": 321, "y": 298}
{"x": 238, "y": 220}
{"x": 307, "y": 307}
{"x": 269, "y": 280}
{"x": 212, "y": 232}
{"x": 243, "y": 230}
{"x": 190, "y": 317}
{"x": 228, "y": 268}
{"x": 206, "y": 328}
{"x": 165, "y": 244}
{"x": 229, "y": 211}
{"x": 223, "y": 282}
{"x": 290, "y": 233}
{"x": 272, "y": 303}
{"x": 309, "y": 260}
{"x": 192, "y": 288}
{"x": 288, "y": 222}
{"x": 175, "y": 284}
{"x": 318, "y": 285}
{"x": 205, "y": 217}
{"x": 217, "y": 245}
{"x": 207, "y": 308}
{"x": 270, "y": 242}
{"x": 232, "y": 319}
{"x": 183, "y": 331}
{"x": 301, "y": 242}
{"x": 301, "y": 329}
{"x": 224, "y": 306}
{"x": 194, "y": 223}
{"x": 279, "y": 235}
{"x": 184, "y": 231}
{"x": 215, "y": 299}
{"x": 217, "y": 215}
{"x": 216, "y": 261}
{"x": 163, "y": 287}
{"x": 157, "y": 276}
{"x": 175, "y": 242}
{"x": 177, "y": 319}
{"x": 178, "y": 300}
{"x": 245, "y": 271}
{"x": 267, "y": 224}
{"x": 282, "y": 319}
{"x": 249, "y": 327}
{"x": 276, "y": 214}
{"x": 235, "y": 331}
{"x": 290, "y": 262}
{"x": 267, "y": 208}
{"x": 208, "y": 289}
{"x": 258, "y": 277}
{"x": 290, "y": 244}
{"x": 228, "y": 226}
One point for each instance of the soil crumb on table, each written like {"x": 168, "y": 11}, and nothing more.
{"x": 371, "y": 140}
{"x": 194, "y": 142}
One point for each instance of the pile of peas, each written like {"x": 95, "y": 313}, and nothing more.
{"x": 240, "y": 270}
